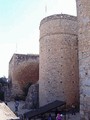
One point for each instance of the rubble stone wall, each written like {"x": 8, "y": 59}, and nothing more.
{"x": 58, "y": 67}
{"x": 23, "y": 70}
{"x": 83, "y": 10}
{"x": 32, "y": 99}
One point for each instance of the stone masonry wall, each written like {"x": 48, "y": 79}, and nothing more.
{"x": 83, "y": 10}
{"x": 32, "y": 99}
{"x": 23, "y": 70}
{"x": 58, "y": 74}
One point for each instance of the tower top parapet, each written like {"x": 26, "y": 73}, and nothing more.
{"x": 58, "y": 16}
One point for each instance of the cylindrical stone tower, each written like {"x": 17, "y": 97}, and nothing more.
{"x": 58, "y": 74}
{"x": 83, "y": 10}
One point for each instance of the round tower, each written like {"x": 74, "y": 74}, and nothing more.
{"x": 58, "y": 74}
{"x": 83, "y": 10}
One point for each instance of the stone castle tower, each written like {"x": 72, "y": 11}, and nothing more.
{"x": 58, "y": 67}
{"x": 23, "y": 70}
{"x": 62, "y": 45}
{"x": 83, "y": 10}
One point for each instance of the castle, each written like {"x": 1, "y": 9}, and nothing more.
{"x": 64, "y": 69}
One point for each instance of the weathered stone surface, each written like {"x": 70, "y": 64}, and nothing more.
{"x": 58, "y": 76}
{"x": 32, "y": 99}
{"x": 23, "y": 70}
{"x": 6, "y": 113}
{"x": 83, "y": 10}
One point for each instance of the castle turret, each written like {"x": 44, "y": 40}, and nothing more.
{"x": 58, "y": 72}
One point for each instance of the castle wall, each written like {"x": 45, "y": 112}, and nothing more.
{"x": 83, "y": 10}
{"x": 32, "y": 99}
{"x": 58, "y": 68}
{"x": 23, "y": 70}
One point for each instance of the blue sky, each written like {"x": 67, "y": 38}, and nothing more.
{"x": 19, "y": 25}
{"x": 17, "y": 17}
